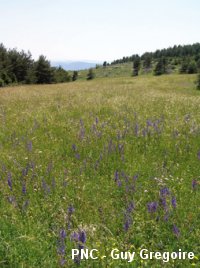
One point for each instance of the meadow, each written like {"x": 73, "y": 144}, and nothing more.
{"x": 108, "y": 163}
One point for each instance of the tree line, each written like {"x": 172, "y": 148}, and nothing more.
{"x": 18, "y": 67}
{"x": 184, "y": 58}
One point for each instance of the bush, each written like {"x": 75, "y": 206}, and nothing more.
{"x": 90, "y": 75}
{"x": 2, "y": 84}
{"x": 198, "y": 82}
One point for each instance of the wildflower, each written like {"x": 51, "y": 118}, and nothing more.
{"x": 176, "y": 231}
{"x": 164, "y": 191}
{"x": 82, "y": 237}
{"x": 62, "y": 234}
{"x": 198, "y": 155}
{"x": 174, "y": 202}
{"x": 152, "y": 207}
{"x": 131, "y": 207}
{"x": 24, "y": 188}
{"x": 10, "y": 181}
{"x": 128, "y": 222}
{"x": 70, "y": 210}
{"x": 74, "y": 148}
{"x": 194, "y": 184}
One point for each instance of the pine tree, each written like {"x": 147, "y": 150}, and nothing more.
{"x": 43, "y": 71}
{"x": 136, "y": 65}
{"x": 90, "y": 74}
{"x": 75, "y": 76}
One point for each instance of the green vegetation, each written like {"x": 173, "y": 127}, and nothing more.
{"x": 19, "y": 68}
{"x": 110, "y": 163}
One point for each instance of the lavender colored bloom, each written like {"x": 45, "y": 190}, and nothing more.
{"x": 174, "y": 202}
{"x": 136, "y": 129}
{"x": 24, "y": 188}
{"x": 62, "y": 261}
{"x": 74, "y": 148}
{"x": 163, "y": 202}
{"x": 128, "y": 222}
{"x": 75, "y": 236}
{"x": 63, "y": 234}
{"x": 176, "y": 231}
{"x": 130, "y": 207}
{"x": 164, "y": 191}
{"x": 166, "y": 216}
{"x": 77, "y": 156}
{"x": 82, "y": 237}
{"x": 70, "y": 210}
{"x": 116, "y": 177}
{"x": 10, "y": 181}
{"x": 152, "y": 207}
{"x": 194, "y": 184}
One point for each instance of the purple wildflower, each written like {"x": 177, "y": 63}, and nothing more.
{"x": 75, "y": 236}
{"x": 74, "y": 148}
{"x": 70, "y": 210}
{"x": 128, "y": 222}
{"x": 164, "y": 191}
{"x": 24, "y": 188}
{"x": 176, "y": 231}
{"x": 152, "y": 207}
{"x": 174, "y": 202}
{"x": 82, "y": 237}
{"x": 163, "y": 202}
{"x": 10, "y": 181}
{"x": 63, "y": 234}
{"x": 194, "y": 184}
{"x": 130, "y": 207}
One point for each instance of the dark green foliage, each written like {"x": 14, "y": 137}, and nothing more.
{"x": 136, "y": 65}
{"x": 188, "y": 66}
{"x": 147, "y": 59}
{"x": 75, "y": 76}
{"x": 198, "y": 81}
{"x": 90, "y": 74}
{"x": 161, "y": 67}
{"x": 60, "y": 75}
{"x": 184, "y": 66}
{"x": 192, "y": 67}
{"x": 104, "y": 64}
{"x": 43, "y": 71}
{"x": 19, "y": 67}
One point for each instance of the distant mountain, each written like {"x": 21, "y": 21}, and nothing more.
{"x": 74, "y": 66}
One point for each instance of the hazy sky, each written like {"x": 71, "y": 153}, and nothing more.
{"x": 97, "y": 30}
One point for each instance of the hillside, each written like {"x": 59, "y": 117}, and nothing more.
{"x": 109, "y": 163}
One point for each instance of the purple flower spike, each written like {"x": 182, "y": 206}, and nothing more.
{"x": 62, "y": 234}
{"x": 152, "y": 207}
{"x": 176, "y": 231}
{"x": 10, "y": 181}
{"x": 194, "y": 184}
{"x": 174, "y": 202}
{"x": 164, "y": 191}
{"x": 198, "y": 155}
{"x": 82, "y": 237}
{"x": 70, "y": 210}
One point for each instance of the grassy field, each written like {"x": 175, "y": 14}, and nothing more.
{"x": 109, "y": 163}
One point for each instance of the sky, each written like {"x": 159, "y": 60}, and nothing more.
{"x": 101, "y": 30}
